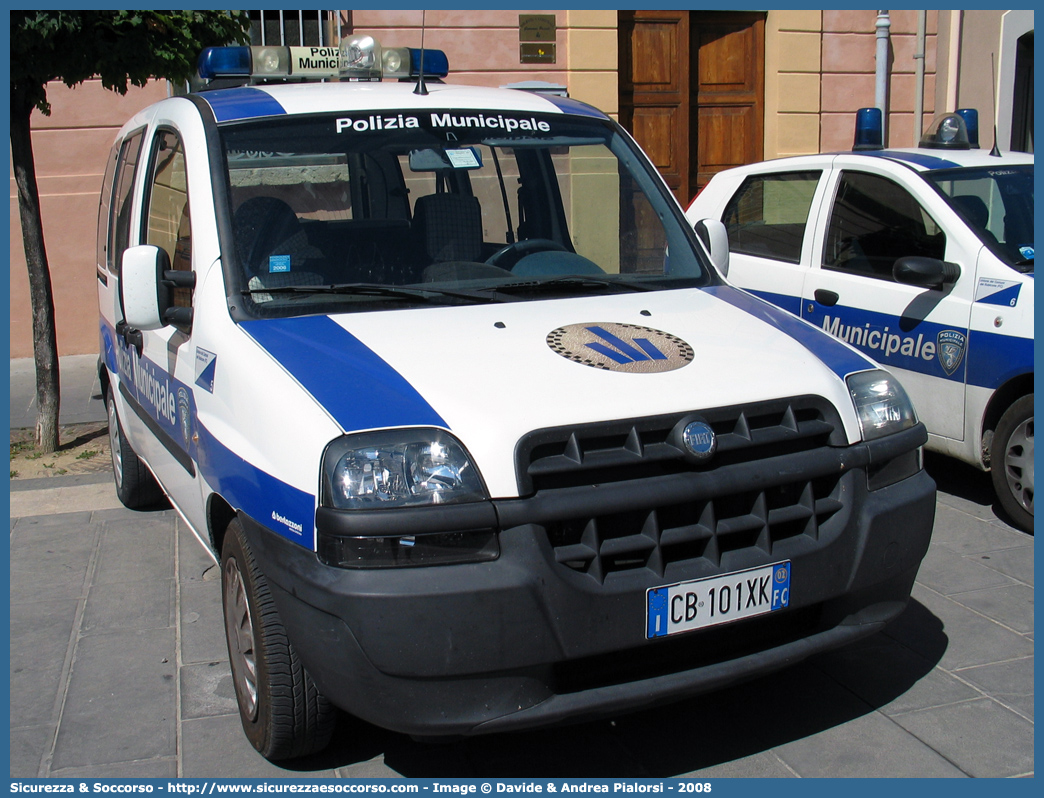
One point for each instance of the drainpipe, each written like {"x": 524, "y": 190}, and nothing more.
{"x": 881, "y": 87}
{"x": 919, "y": 84}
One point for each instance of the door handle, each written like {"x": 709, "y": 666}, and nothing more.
{"x": 824, "y": 297}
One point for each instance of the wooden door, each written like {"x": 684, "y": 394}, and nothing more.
{"x": 728, "y": 92}
{"x": 692, "y": 87}
{"x": 654, "y": 91}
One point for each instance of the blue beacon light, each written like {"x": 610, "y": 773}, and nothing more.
{"x": 869, "y": 129}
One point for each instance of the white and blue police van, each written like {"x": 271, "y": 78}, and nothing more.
{"x": 459, "y": 402}
{"x": 921, "y": 258}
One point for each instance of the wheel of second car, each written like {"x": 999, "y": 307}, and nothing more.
{"x": 283, "y": 713}
{"x": 1011, "y": 462}
{"x": 135, "y": 485}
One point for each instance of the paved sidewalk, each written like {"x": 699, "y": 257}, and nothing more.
{"x": 118, "y": 668}
{"x": 81, "y": 399}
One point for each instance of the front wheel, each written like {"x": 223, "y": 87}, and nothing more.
{"x": 135, "y": 485}
{"x": 283, "y": 713}
{"x": 1011, "y": 462}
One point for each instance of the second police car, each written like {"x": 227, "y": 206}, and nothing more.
{"x": 479, "y": 436}
{"x": 923, "y": 259}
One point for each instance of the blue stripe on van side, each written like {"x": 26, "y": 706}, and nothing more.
{"x": 836, "y": 356}
{"x": 243, "y": 102}
{"x": 271, "y": 502}
{"x": 355, "y": 386}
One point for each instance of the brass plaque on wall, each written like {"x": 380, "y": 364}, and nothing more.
{"x": 536, "y": 28}
{"x": 536, "y": 53}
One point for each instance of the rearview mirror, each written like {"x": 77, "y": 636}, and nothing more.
{"x": 715, "y": 238}
{"x": 434, "y": 160}
{"x": 925, "y": 272}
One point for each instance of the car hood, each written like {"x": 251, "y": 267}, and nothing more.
{"x": 492, "y": 373}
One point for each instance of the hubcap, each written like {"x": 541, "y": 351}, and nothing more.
{"x": 239, "y": 629}
{"x": 1018, "y": 464}
{"x": 114, "y": 444}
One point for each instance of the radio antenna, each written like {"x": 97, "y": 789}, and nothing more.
{"x": 421, "y": 88}
{"x": 995, "y": 152}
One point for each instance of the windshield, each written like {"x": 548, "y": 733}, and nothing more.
{"x": 997, "y": 203}
{"x": 408, "y": 208}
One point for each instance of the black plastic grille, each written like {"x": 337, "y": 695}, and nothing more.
{"x": 756, "y": 511}
{"x": 781, "y": 522}
{"x": 648, "y": 447}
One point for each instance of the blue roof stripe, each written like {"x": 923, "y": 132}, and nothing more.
{"x": 354, "y": 384}
{"x": 243, "y": 102}
{"x": 916, "y": 158}
{"x": 568, "y": 106}
{"x": 838, "y": 357}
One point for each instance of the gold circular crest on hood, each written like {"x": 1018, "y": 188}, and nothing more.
{"x": 620, "y": 347}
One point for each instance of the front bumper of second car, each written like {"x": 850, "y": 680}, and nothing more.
{"x": 548, "y": 633}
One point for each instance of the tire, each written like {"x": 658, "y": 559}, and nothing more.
{"x": 1011, "y": 462}
{"x": 283, "y": 713}
{"x": 135, "y": 485}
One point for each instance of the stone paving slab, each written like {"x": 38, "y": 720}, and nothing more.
{"x": 119, "y": 669}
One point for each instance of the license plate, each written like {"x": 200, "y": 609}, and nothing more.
{"x": 717, "y": 599}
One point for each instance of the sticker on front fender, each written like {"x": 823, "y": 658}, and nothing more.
{"x": 715, "y": 600}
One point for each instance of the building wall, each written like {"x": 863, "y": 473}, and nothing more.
{"x": 483, "y": 47}
{"x": 979, "y": 49}
{"x": 70, "y": 148}
{"x": 819, "y": 69}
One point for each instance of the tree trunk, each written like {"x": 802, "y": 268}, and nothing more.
{"x": 45, "y": 341}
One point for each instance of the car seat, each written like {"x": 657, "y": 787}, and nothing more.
{"x": 272, "y": 248}
{"x": 448, "y": 227}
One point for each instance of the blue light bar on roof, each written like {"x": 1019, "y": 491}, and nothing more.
{"x": 215, "y": 62}
{"x": 359, "y": 58}
{"x": 436, "y": 64}
{"x": 971, "y": 122}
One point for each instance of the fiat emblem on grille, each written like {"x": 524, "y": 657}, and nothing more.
{"x": 699, "y": 440}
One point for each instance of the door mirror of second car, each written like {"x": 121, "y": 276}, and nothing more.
{"x": 925, "y": 272}
{"x": 716, "y": 239}
{"x": 145, "y": 289}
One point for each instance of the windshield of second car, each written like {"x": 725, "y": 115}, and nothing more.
{"x": 997, "y": 203}
{"x": 401, "y": 209}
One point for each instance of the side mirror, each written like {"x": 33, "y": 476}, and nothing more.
{"x": 716, "y": 239}
{"x": 925, "y": 272}
{"x": 146, "y": 280}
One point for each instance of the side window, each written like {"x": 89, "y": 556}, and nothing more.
{"x": 874, "y": 222}
{"x": 118, "y": 218}
{"x": 104, "y": 205}
{"x": 767, "y": 216}
{"x": 167, "y": 219}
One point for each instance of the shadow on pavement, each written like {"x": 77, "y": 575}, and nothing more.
{"x": 815, "y": 696}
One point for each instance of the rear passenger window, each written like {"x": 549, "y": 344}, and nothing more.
{"x": 119, "y": 213}
{"x": 874, "y": 222}
{"x": 767, "y": 216}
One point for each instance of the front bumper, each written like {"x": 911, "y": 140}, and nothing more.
{"x": 531, "y": 638}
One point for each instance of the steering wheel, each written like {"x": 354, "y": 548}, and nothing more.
{"x": 513, "y": 253}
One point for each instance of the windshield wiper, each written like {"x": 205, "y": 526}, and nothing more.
{"x": 375, "y": 289}
{"x": 571, "y": 281}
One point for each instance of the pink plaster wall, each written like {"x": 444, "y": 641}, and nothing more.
{"x": 70, "y": 148}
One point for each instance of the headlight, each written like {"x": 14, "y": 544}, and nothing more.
{"x": 413, "y": 471}
{"x": 881, "y": 404}
{"x": 398, "y": 468}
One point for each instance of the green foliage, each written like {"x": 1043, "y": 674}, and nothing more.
{"x": 122, "y": 48}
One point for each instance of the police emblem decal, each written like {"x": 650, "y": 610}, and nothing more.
{"x": 700, "y": 440}
{"x": 620, "y": 347}
{"x": 950, "y": 345}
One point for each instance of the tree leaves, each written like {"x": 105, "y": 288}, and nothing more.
{"x": 122, "y": 48}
